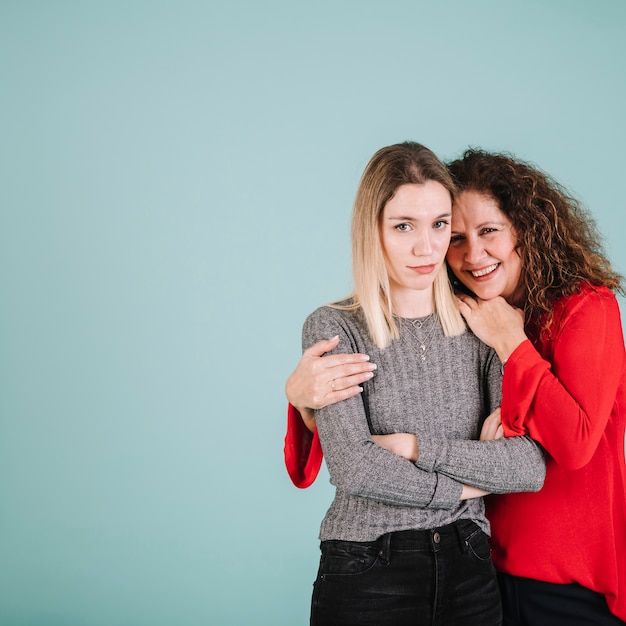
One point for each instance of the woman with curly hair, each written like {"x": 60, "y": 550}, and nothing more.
{"x": 540, "y": 291}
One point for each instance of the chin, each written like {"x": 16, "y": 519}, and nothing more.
{"x": 485, "y": 292}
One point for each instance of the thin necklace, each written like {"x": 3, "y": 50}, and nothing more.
{"x": 414, "y": 326}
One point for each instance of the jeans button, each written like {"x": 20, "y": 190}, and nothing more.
{"x": 436, "y": 537}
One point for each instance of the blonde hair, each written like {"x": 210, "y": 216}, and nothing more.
{"x": 388, "y": 169}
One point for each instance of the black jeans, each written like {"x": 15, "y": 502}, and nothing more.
{"x": 436, "y": 577}
{"x": 529, "y": 602}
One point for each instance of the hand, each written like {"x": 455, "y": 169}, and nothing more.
{"x": 495, "y": 322}
{"x": 317, "y": 382}
{"x": 402, "y": 444}
{"x": 492, "y": 427}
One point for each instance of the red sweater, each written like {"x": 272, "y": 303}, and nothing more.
{"x": 567, "y": 390}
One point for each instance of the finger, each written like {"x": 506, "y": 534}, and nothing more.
{"x": 338, "y": 365}
{"x": 464, "y": 308}
{"x": 465, "y": 298}
{"x": 490, "y": 433}
{"x": 326, "y": 345}
{"x": 345, "y": 382}
{"x": 362, "y": 368}
{"x": 343, "y": 394}
{"x": 321, "y": 347}
{"x": 347, "y": 358}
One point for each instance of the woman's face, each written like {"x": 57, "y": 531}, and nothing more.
{"x": 415, "y": 234}
{"x": 482, "y": 251}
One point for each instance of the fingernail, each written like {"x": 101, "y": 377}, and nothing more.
{"x": 366, "y": 357}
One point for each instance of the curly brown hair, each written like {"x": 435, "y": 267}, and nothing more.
{"x": 558, "y": 241}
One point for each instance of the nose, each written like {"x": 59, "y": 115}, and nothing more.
{"x": 474, "y": 250}
{"x": 422, "y": 244}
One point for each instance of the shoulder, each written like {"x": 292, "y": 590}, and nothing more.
{"x": 590, "y": 305}
{"x": 588, "y": 298}
{"x": 321, "y": 315}
{"x": 330, "y": 320}
{"x": 337, "y": 311}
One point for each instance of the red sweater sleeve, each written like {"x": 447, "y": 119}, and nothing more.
{"x": 303, "y": 452}
{"x": 565, "y": 402}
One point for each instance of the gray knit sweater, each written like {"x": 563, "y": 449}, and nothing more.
{"x": 444, "y": 400}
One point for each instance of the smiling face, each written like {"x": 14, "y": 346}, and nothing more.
{"x": 482, "y": 251}
{"x": 415, "y": 233}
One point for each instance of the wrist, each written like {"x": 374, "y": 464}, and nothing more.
{"x": 308, "y": 417}
{"x": 505, "y": 348}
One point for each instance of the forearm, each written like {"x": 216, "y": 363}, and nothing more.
{"x": 361, "y": 468}
{"x": 548, "y": 395}
{"x": 506, "y": 465}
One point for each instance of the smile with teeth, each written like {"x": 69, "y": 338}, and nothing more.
{"x": 484, "y": 271}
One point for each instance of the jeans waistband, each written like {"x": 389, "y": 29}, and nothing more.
{"x": 454, "y": 533}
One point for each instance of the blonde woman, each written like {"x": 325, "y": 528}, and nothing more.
{"x": 403, "y": 544}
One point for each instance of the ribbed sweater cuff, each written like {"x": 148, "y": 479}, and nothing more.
{"x": 428, "y": 452}
{"x": 447, "y": 493}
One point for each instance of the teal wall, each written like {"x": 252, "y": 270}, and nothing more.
{"x": 176, "y": 180}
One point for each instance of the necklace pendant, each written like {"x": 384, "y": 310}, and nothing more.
{"x": 423, "y": 357}
{"x": 422, "y": 347}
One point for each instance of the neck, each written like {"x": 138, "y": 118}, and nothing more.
{"x": 412, "y": 304}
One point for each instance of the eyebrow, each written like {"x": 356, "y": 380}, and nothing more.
{"x": 490, "y": 223}
{"x": 411, "y": 219}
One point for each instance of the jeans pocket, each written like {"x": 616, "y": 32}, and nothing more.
{"x": 478, "y": 546}
{"x": 347, "y": 558}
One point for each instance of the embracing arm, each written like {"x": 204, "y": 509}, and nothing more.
{"x": 565, "y": 403}
{"x": 317, "y": 382}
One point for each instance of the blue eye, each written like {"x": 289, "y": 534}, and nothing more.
{"x": 438, "y": 225}
{"x": 403, "y": 228}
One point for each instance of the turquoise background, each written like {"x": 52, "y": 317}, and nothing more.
{"x": 176, "y": 180}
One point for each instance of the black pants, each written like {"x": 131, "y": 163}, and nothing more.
{"x": 439, "y": 577}
{"x": 528, "y": 602}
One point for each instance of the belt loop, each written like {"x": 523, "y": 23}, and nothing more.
{"x": 385, "y": 549}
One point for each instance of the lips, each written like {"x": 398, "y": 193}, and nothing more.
{"x": 484, "y": 271}
{"x": 423, "y": 269}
